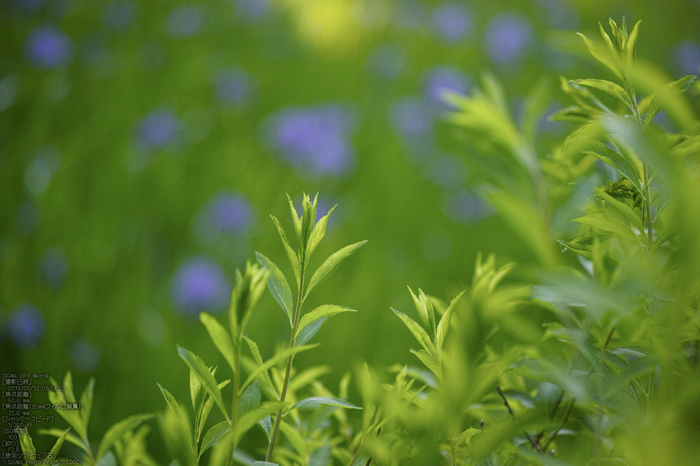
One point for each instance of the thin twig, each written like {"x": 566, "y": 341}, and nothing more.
{"x": 505, "y": 401}
{"x": 566, "y": 418}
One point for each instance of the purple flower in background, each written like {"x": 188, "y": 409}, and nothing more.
{"x": 452, "y": 21}
{"x": 85, "y": 355}
{"x": 387, "y": 60}
{"x": 26, "y": 325}
{"x": 28, "y": 218}
{"x": 184, "y": 21}
{"x": 411, "y": 118}
{"x": 314, "y": 138}
{"x": 158, "y": 129}
{"x": 507, "y": 37}
{"x": 30, "y": 5}
{"x": 252, "y": 9}
{"x": 234, "y": 87}
{"x": 199, "y": 285}
{"x": 118, "y": 14}
{"x": 465, "y": 207}
{"x": 688, "y": 57}
{"x": 447, "y": 171}
{"x": 48, "y": 47}
{"x": 227, "y": 213}
{"x": 53, "y": 267}
{"x": 444, "y": 79}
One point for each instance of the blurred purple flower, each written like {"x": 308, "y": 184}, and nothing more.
{"x": 411, "y": 118}
{"x": 444, "y": 79}
{"x": 452, "y": 21}
{"x": 48, "y": 47}
{"x": 26, "y": 325}
{"x": 387, "y": 60}
{"x": 507, "y": 37}
{"x": 118, "y": 14}
{"x": 184, "y": 21}
{"x": 53, "y": 267}
{"x": 561, "y": 15}
{"x": 688, "y": 57}
{"x": 227, "y": 213}
{"x": 447, "y": 171}
{"x": 233, "y": 87}
{"x": 29, "y": 5}
{"x": 158, "y": 129}
{"x": 252, "y": 9}
{"x": 28, "y": 218}
{"x": 85, "y": 355}
{"x": 199, "y": 285}
{"x": 465, "y": 207}
{"x": 314, "y": 138}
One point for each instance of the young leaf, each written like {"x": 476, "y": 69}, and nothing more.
{"x": 293, "y": 256}
{"x": 322, "y": 311}
{"x": 317, "y": 234}
{"x": 444, "y": 324}
{"x": 120, "y": 428}
{"x": 608, "y": 87}
{"x": 259, "y": 361}
{"x": 421, "y": 305}
{"x": 601, "y": 55}
{"x": 72, "y": 417}
{"x": 670, "y": 90}
{"x": 607, "y": 223}
{"x": 295, "y": 439}
{"x": 213, "y": 435}
{"x": 430, "y": 362}
{"x": 172, "y": 402}
{"x": 618, "y": 161}
{"x": 250, "y": 399}
{"x": 27, "y": 445}
{"x": 278, "y": 286}
{"x": 266, "y": 424}
{"x": 220, "y": 337}
{"x": 86, "y": 400}
{"x": 207, "y": 380}
{"x": 295, "y": 218}
{"x": 622, "y": 208}
{"x": 71, "y": 437}
{"x": 205, "y": 409}
{"x": 59, "y": 443}
{"x": 196, "y": 390}
{"x": 417, "y": 331}
{"x": 308, "y": 332}
{"x": 281, "y": 356}
{"x": 316, "y": 401}
{"x": 330, "y": 265}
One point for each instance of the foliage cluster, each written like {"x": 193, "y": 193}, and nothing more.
{"x": 591, "y": 363}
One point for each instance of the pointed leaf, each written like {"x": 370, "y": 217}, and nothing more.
{"x": 250, "y": 399}
{"x": 670, "y": 90}
{"x": 293, "y": 256}
{"x": 282, "y": 355}
{"x": 207, "y": 380}
{"x": 618, "y": 161}
{"x": 120, "y": 428}
{"x": 316, "y": 401}
{"x": 213, "y": 435}
{"x": 71, "y": 437}
{"x": 252, "y": 417}
{"x": 430, "y": 362}
{"x": 317, "y": 234}
{"x": 205, "y": 409}
{"x": 172, "y": 402}
{"x": 466, "y": 435}
{"x": 308, "y": 332}
{"x": 259, "y": 361}
{"x": 322, "y": 311}
{"x": 86, "y": 400}
{"x": 601, "y": 54}
{"x": 295, "y": 219}
{"x": 623, "y": 208}
{"x": 195, "y": 391}
{"x": 331, "y": 264}
{"x": 59, "y": 443}
{"x": 631, "y": 44}
{"x": 417, "y": 331}
{"x": 220, "y": 337}
{"x": 278, "y": 286}
{"x": 444, "y": 324}
{"x": 27, "y": 445}
{"x": 295, "y": 439}
{"x": 607, "y": 223}
{"x": 266, "y": 424}
{"x": 608, "y": 87}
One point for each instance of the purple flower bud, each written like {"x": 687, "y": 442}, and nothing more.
{"x": 184, "y": 21}
{"x": 234, "y": 87}
{"x": 53, "y": 267}
{"x": 158, "y": 129}
{"x": 48, "y": 47}
{"x": 199, "y": 285}
{"x": 118, "y": 14}
{"x": 85, "y": 355}
{"x": 507, "y": 37}
{"x": 26, "y": 325}
{"x": 688, "y": 58}
{"x": 452, "y": 21}
{"x": 444, "y": 79}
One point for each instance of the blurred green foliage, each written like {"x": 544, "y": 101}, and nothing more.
{"x": 143, "y": 145}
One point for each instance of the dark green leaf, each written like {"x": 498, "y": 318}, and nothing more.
{"x": 259, "y": 361}
{"x": 669, "y": 91}
{"x": 220, "y": 337}
{"x": 86, "y": 400}
{"x": 278, "y": 286}
{"x": 618, "y": 161}
{"x": 27, "y": 445}
{"x": 444, "y": 324}
{"x": 59, "y": 443}
{"x": 207, "y": 380}
{"x": 330, "y": 265}
{"x": 266, "y": 424}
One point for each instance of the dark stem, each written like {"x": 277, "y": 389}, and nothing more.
{"x": 566, "y": 418}
{"x": 505, "y": 401}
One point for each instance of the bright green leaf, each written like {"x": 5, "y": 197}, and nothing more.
{"x": 322, "y": 311}
{"x": 220, "y": 337}
{"x": 430, "y": 362}
{"x": 278, "y": 286}
{"x": 608, "y": 87}
{"x": 607, "y": 223}
{"x": 259, "y": 361}
{"x": 213, "y": 435}
{"x": 330, "y": 265}
{"x": 282, "y": 355}
{"x": 86, "y": 400}
{"x": 207, "y": 380}
{"x": 316, "y": 401}
{"x": 293, "y": 256}
{"x": 308, "y": 332}
{"x": 444, "y": 324}
{"x": 417, "y": 331}
{"x": 252, "y": 417}
{"x": 618, "y": 161}
{"x": 317, "y": 234}
{"x": 71, "y": 437}
{"x": 669, "y": 91}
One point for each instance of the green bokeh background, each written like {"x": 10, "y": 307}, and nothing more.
{"x": 123, "y": 216}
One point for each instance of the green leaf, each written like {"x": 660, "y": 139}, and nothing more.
{"x": 207, "y": 380}
{"x": 601, "y": 54}
{"x": 444, "y": 324}
{"x": 293, "y": 256}
{"x": 71, "y": 416}
{"x": 295, "y": 219}
{"x": 282, "y": 355}
{"x": 666, "y": 93}
{"x": 59, "y": 443}
{"x": 86, "y": 400}
{"x": 252, "y": 417}
{"x": 623, "y": 208}
{"x": 618, "y": 161}
{"x": 278, "y": 286}
{"x": 608, "y": 87}
{"x": 27, "y": 445}
{"x": 330, "y": 265}
{"x": 316, "y": 401}
{"x": 317, "y": 234}
{"x": 120, "y": 428}
{"x": 172, "y": 402}
{"x": 430, "y": 362}
{"x": 250, "y": 399}
{"x": 195, "y": 390}
{"x": 422, "y": 302}
{"x": 631, "y": 45}
{"x": 220, "y": 337}
{"x": 259, "y": 361}
{"x": 71, "y": 437}
{"x": 607, "y": 223}
{"x": 266, "y": 424}
{"x": 307, "y": 376}
{"x": 417, "y": 331}
{"x": 309, "y": 331}
{"x": 295, "y": 438}
{"x": 466, "y": 435}
{"x": 322, "y": 311}
{"x": 108, "y": 459}
{"x": 205, "y": 409}
{"x": 213, "y": 435}
{"x": 265, "y": 463}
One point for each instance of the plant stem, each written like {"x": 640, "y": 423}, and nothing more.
{"x": 236, "y": 388}
{"x": 283, "y": 396}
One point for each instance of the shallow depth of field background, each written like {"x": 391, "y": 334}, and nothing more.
{"x": 144, "y": 144}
